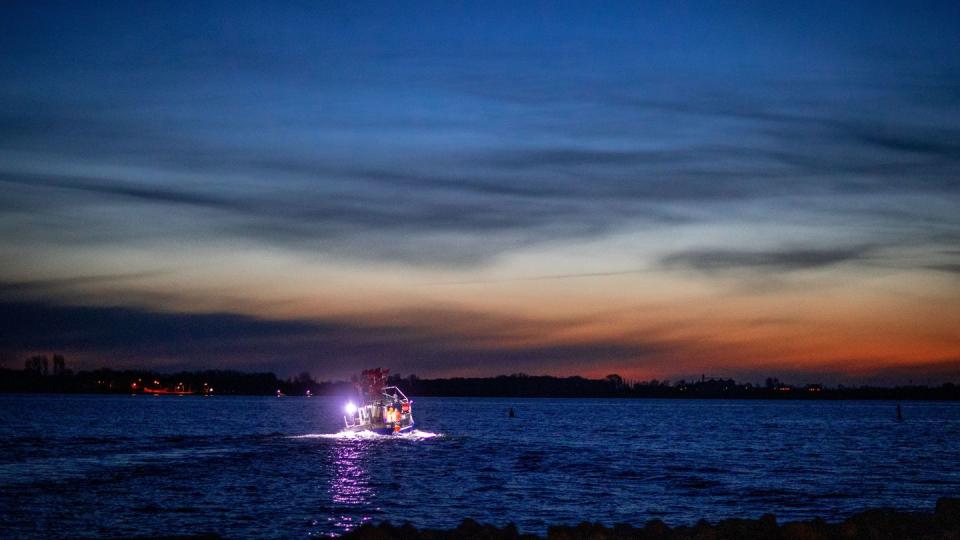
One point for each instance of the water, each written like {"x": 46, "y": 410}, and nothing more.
{"x": 267, "y": 467}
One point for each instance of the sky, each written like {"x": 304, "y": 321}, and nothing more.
{"x": 655, "y": 189}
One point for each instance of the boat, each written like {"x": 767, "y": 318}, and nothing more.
{"x": 381, "y": 409}
{"x": 168, "y": 391}
{"x": 179, "y": 389}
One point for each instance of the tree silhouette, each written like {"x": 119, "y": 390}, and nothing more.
{"x": 59, "y": 365}
{"x": 37, "y": 364}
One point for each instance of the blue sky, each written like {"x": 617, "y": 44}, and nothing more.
{"x": 384, "y": 168}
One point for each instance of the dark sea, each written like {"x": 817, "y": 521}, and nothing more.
{"x": 263, "y": 467}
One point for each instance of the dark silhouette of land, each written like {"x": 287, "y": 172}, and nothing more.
{"x": 42, "y": 375}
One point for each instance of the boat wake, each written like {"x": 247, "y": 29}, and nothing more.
{"x": 413, "y": 435}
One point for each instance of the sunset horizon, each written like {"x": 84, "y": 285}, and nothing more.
{"x": 657, "y": 191}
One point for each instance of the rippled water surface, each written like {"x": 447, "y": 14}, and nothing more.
{"x": 268, "y": 467}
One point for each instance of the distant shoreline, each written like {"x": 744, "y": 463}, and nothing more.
{"x": 38, "y": 379}
{"x": 877, "y": 524}
{"x": 506, "y": 397}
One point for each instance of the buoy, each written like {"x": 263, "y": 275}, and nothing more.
{"x": 899, "y": 413}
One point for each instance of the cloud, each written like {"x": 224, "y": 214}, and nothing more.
{"x": 938, "y": 144}
{"x": 432, "y": 342}
{"x": 545, "y": 277}
{"x": 950, "y": 268}
{"x": 113, "y": 188}
{"x": 932, "y": 372}
{"x": 429, "y": 343}
{"x": 444, "y": 156}
{"x": 716, "y": 260}
{"x": 44, "y": 325}
{"x": 356, "y": 141}
{"x": 44, "y": 287}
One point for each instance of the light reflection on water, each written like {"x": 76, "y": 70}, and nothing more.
{"x": 350, "y": 485}
{"x": 351, "y": 489}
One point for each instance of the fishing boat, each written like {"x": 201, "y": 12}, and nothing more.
{"x": 168, "y": 391}
{"x": 381, "y": 409}
{"x": 179, "y": 389}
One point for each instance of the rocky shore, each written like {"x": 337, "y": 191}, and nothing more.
{"x": 876, "y": 524}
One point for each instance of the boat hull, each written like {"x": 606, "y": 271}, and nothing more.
{"x": 166, "y": 392}
{"x": 385, "y": 430}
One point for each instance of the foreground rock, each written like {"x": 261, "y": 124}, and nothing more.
{"x": 879, "y": 524}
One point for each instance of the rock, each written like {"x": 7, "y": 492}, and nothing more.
{"x": 657, "y": 530}
{"x": 877, "y": 524}
{"x": 947, "y": 514}
{"x": 407, "y": 532}
{"x": 704, "y": 531}
{"x": 469, "y": 528}
{"x": 886, "y": 523}
{"x": 369, "y": 532}
{"x": 805, "y": 530}
{"x": 583, "y": 531}
{"x": 747, "y": 529}
{"x": 624, "y": 531}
